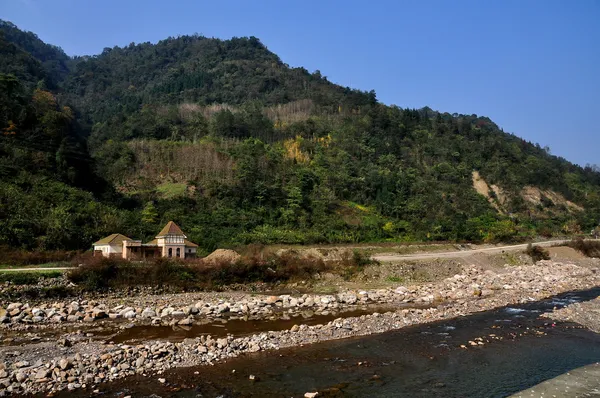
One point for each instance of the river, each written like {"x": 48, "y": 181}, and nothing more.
{"x": 503, "y": 351}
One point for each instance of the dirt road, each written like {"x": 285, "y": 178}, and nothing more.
{"x": 463, "y": 253}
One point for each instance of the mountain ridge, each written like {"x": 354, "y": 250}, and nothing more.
{"x": 224, "y": 137}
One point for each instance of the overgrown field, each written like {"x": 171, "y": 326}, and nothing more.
{"x": 100, "y": 274}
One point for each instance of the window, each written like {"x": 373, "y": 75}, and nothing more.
{"x": 178, "y": 252}
{"x": 170, "y": 252}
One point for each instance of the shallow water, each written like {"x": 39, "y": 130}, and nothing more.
{"x": 419, "y": 361}
{"x": 241, "y": 327}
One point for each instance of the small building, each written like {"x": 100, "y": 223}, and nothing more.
{"x": 170, "y": 242}
{"x": 112, "y": 245}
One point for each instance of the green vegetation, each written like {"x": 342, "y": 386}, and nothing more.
{"x": 171, "y": 190}
{"x": 395, "y": 279}
{"x": 237, "y": 147}
{"x": 29, "y": 277}
{"x": 45, "y": 265}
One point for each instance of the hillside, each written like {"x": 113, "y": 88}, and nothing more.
{"x": 237, "y": 147}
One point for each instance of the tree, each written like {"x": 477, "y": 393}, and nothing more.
{"x": 149, "y": 213}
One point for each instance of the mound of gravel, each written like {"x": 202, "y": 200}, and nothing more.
{"x": 222, "y": 255}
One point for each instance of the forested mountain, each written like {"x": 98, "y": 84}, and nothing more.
{"x": 237, "y": 147}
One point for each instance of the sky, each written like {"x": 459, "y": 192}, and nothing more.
{"x": 532, "y": 66}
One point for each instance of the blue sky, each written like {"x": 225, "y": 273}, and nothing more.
{"x": 531, "y": 66}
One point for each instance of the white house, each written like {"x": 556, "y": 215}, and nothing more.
{"x": 111, "y": 245}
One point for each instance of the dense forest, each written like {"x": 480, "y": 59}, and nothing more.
{"x": 237, "y": 147}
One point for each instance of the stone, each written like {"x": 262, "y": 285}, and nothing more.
{"x": 124, "y": 311}
{"x": 148, "y": 313}
{"x": 13, "y": 306}
{"x": 222, "y": 343}
{"x": 73, "y": 318}
{"x": 166, "y": 312}
{"x": 42, "y": 374}
{"x": 21, "y": 364}
{"x": 311, "y": 394}
{"x": 14, "y": 312}
{"x": 295, "y": 328}
{"x": 98, "y": 313}
{"x": 162, "y": 381}
{"x": 65, "y": 364}
{"x": 186, "y": 321}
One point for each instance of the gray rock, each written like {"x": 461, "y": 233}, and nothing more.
{"x": 148, "y": 313}
{"x": 42, "y": 374}
{"x": 65, "y": 364}
{"x": 21, "y": 364}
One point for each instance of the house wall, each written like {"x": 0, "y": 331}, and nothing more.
{"x": 165, "y": 251}
{"x": 190, "y": 252}
{"x": 108, "y": 250}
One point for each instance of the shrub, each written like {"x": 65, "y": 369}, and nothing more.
{"x": 100, "y": 273}
{"x": 10, "y": 256}
{"x": 589, "y": 248}
{"x": 537, "y": 253}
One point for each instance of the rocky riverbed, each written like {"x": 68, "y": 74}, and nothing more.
{"x": 79, "y": 361}
{"x": 586, "y": 314}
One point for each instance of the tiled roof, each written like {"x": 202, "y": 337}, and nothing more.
{"x": 170, "y": 229}
{"x": 190, "y": 244}
{"x": 113, "y": 239}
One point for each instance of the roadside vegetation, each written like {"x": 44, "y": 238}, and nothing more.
{"x": 101, "y": 274}
{"x": 18, "y": 258}
{"x": 589, "y": 248}
{"x": 537, "y": 253}
{"x": 28, "y": 277}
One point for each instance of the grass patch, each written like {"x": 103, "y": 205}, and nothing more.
{"x": 395, "y": 279}
{"x": 170, "y": 190}
{"x": 29, "y": 277}
{"x": 59, "y": 264}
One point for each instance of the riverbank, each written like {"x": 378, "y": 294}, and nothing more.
{"x": 84, "y": 360}
{"x": 586, "y": 314}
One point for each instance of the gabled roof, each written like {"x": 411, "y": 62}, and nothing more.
{"x": 114, "y": 239}
{"x": 189, "y": 244}
{"x": 171, "y": 229}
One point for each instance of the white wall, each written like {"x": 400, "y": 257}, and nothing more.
{"x": 107, "y": 250}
